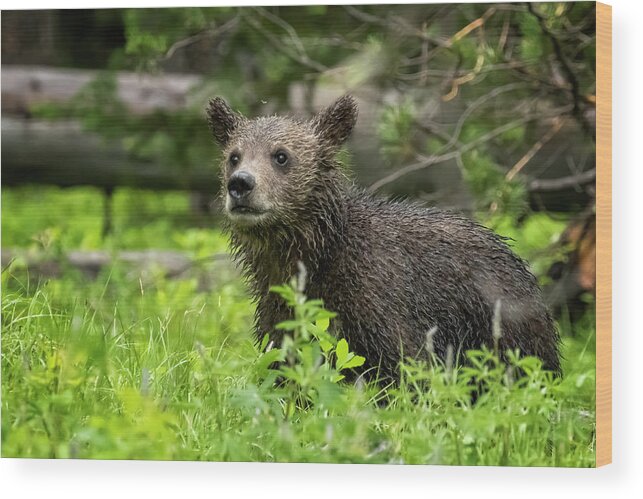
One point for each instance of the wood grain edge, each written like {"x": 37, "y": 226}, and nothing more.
{"x": 603, "y": 234}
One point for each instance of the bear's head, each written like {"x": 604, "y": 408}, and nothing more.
{"x": 275, "y": 169}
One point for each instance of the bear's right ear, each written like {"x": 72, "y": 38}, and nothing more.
{"x": 335, "y": 123}
{"x": 222, "y": 119}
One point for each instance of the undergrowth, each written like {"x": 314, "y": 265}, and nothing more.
{"x": 166, "y": 372}
{"x": 123, "y": 368}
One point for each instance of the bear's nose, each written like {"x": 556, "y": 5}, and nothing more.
{"x": 240, "y": 184}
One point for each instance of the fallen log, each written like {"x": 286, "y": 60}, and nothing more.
{"x": 61, "y": 153}
{"x": 26, "y": 86}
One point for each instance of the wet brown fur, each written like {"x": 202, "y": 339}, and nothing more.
{"x": 392, "y": 271}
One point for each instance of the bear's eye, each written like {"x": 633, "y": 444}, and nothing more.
{"x": 234, "y": 159}
{"x": 281, "y": 158}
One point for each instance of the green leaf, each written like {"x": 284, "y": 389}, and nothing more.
{"x": 289, "y": 325}
{"x": 268, "y": 358}
{"x": 341, "y": 351}
{"x": 264, "y": 342}
{"x": 353, "y": 361}
{"x": 325, "y": 345}
{"x": 323, "y": 323}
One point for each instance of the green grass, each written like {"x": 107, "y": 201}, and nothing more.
{"x": 57, "y": 219}
{"x": 118, "y": 368}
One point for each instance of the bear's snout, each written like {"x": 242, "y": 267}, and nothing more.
{"x": 240, "y": 185}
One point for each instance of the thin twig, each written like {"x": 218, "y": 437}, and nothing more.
{"x": 476, "y": 23}
{"x": 567, "y": 69}
{"x": 558, "y": 184}
{"x": 425, "y": 162}
{"x": 475, "y": 105}
{"x": 504, "y": 34}
{"x": 302, "y": 59}
{"x": 286, "y": 27}
{"x": 425, "y": 63}
{"x": 434, "y": 129}
{"x": 208, "y": 33}
{"x": 522, "y": 162}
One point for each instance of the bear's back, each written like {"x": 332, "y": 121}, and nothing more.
{"x": 403, "y": 270}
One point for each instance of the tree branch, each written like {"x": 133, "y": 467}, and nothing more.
{"x": 302, "y": 59}
{"x": 208, "y": 33}
{"x": 562, "y": 183}
{"x": 522, "y": 162}
{"x": 440, "y": 158}
{"x": 567, "y": 69}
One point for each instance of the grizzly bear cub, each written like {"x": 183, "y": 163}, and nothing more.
{"x": 393, "y": 271}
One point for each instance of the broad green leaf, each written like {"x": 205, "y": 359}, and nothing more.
{"x": 354, "y": 361}
{"x": 341, "y": 351}
{"x": 289, "y": 325}
{"x": 323, "y": 323}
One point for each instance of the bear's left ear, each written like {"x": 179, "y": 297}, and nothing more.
{"x": 335, "y": 123}
{"x": 222, "y": 119}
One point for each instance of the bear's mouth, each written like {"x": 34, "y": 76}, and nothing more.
{"x": 246, "y": 210}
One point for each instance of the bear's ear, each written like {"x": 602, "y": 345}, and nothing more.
{"x": 335, "y": 123}
{"x": 222, "y": 119}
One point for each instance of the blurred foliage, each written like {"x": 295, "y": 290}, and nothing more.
{"x": 74, "y": 220}
{"x": 174, "y": 139}
{"x": 507, "y": 71}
